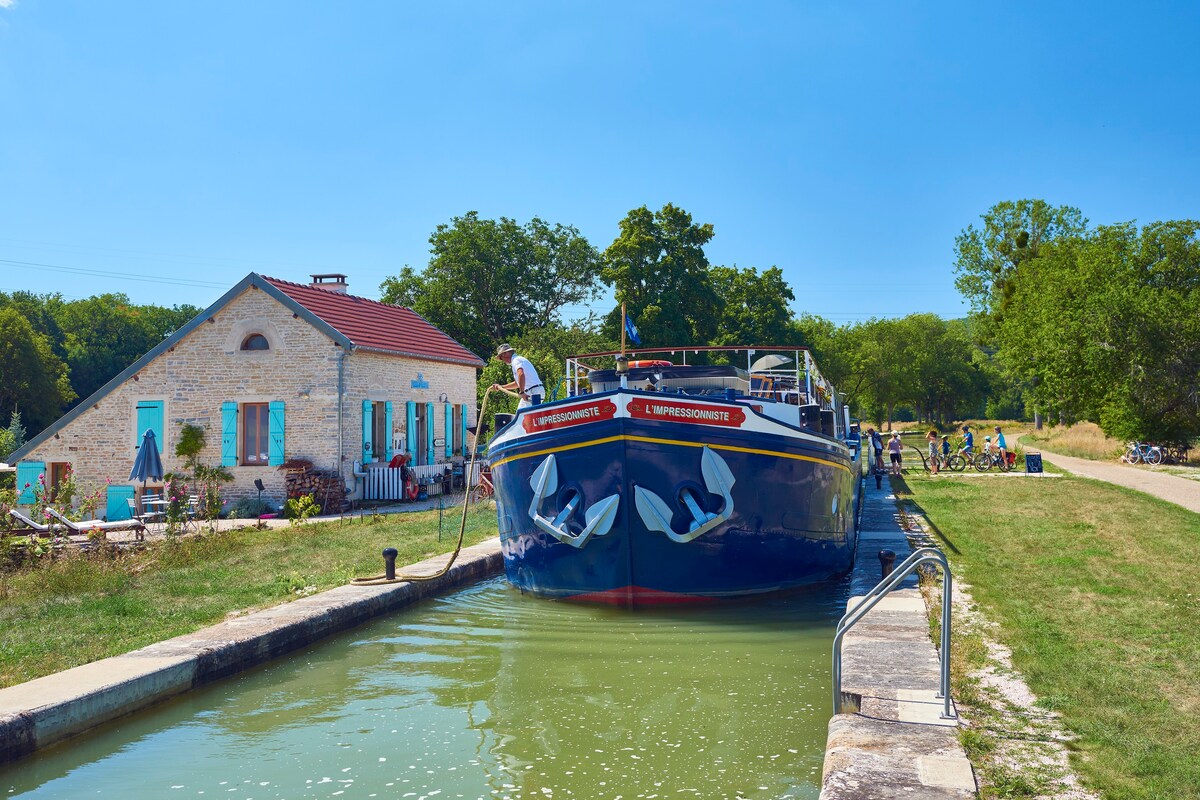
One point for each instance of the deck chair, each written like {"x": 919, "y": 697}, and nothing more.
{"x": 28, "y": 523}
{"x": 87, "y": 525}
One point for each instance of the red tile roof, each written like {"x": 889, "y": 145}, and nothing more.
{"x": 376, "y": 325}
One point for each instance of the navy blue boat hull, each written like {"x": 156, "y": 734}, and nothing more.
{"x": 790, "y": 510}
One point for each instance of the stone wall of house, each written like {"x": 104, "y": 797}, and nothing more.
{"x": 200, "y": 372}
{"x": 382, "y": 378}
{"x": 208, "y": 368}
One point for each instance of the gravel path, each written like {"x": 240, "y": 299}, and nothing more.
{"x": 1172, "y": 488}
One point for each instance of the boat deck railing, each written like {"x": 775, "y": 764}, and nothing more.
{"x": 853, "y": 616}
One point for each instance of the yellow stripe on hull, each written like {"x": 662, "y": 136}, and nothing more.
{"x": 652, "y": 440}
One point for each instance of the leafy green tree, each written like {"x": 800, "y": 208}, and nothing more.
{"x": 107, "y": 333}
{"x": 33, "y": 379}
{"x": 1011, "y": 233}
{"x": 658, "y": 268}
{"x": 755, "y": 306}
{"x": 492, "y": 281}
{"x": 1109, "y": 329}
{"x": 12, "y": 437}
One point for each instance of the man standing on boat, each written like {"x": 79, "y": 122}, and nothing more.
{"x": 526, "y": 382}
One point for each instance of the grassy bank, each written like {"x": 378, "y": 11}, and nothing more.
{"x": 1096, "y": 589}
{"x": 82, "y": 607}
{"x": 1082, "y": 440}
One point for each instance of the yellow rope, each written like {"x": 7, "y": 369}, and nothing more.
{"x": 377, "y": 580}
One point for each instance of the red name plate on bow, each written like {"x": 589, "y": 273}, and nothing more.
{"x": 686, "y": 412}
{"x": 539, "y": 421}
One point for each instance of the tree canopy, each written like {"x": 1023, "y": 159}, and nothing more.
{"x": 492, "y": 281}
{"x": 658, "y": 268}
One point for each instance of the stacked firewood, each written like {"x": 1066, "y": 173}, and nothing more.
{"x": 326, "y": 486}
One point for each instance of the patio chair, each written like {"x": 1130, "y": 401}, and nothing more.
{"x": 28, "y": 523}
{"x": 87, "y": 525}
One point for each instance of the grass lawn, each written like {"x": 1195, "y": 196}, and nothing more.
{"x": 1097, "y": 591}
{"x": 79, "y": 608}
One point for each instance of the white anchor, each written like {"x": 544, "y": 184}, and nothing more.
{"x": 656, "y": 514}
{"x": 599, "y": 517}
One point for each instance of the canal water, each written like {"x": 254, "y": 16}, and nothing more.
{"x": 487, "y": 693}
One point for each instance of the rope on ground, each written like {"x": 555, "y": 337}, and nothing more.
{"x": 378, "y": 580}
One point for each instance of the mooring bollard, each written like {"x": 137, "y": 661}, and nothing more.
{"x": 878, "y": 479}
{"x": 887, "y": 560}
{"x": 389, "y": 562}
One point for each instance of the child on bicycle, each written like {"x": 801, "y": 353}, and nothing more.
{"x": 968, "y": 443}
{"x": 945, "y": 449}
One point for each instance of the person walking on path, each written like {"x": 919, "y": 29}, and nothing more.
{"x": 894, "y": 448}
{"x": 932, "y": 439}
{"x": 525, "y": 382}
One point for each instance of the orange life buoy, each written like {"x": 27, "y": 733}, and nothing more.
{"x": 651, "y": 363}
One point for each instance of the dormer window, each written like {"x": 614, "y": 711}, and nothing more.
{"x": 256, "y": 341}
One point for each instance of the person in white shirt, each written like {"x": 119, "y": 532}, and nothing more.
{"x": 526, "y": 382}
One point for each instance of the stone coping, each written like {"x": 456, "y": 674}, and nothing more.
{"x": 49, "y": 709}
{"x": 891, "y": 740}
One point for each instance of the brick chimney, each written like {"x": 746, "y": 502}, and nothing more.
{"x": 333, "y": 282}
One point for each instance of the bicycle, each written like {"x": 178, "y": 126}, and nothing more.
{"x": 483, "y": 490}
{"x": 959, "y": 459}
{"x": 1139, "y": 451}
{"x": 991, "y": 458}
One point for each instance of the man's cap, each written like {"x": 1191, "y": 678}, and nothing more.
{"x": 504, "y": 348}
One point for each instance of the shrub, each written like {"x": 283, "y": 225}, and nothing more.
{"x": 298, "y": 509}
{"x": 248, "y": 508}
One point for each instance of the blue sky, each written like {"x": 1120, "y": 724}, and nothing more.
{"x": 176, "y": 146}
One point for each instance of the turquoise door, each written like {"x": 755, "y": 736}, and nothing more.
{"x": 117, "y": 507}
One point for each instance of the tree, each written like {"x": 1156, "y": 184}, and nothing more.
{"x": 658, "y": 268}
{"x": 12, "y": 437}
{"x": 755, "y": 307}
{"x": 1110, "y": 329}
{"x": 491, "y": 281}
{"x": 1012, "y": 233}
{"x": 33, "y": 380}
{"x": 107, "y": 333}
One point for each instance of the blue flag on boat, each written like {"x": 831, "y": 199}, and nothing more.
{"x": 631, "y": 329}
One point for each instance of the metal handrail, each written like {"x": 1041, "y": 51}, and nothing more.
{"x": 872, "y": 598}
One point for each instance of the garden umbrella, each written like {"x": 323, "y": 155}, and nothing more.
{"x": 148, "y": 464}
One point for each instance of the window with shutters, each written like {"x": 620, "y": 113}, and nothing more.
{"x": 256, "y": 428}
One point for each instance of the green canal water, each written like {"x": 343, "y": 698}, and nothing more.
{"x": 487, "y": 693}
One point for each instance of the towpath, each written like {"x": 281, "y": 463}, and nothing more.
{"x": 1172, "y": 488}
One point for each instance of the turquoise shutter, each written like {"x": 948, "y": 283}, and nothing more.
{"x": 368, "y": 447}
{"x": 28, "y": 472}
{"x": 150, "y": 417}
{"x": 387, "y": 426}
{"x": 275, "y": 430}
{"x": 429, "y": 433}
{"x": 463, "y": 423}
{"x": 117, "y": 505}
{"x": 449, "y": 425}
{"x": 410, "y": 431}
{"x": 229, "y": 415}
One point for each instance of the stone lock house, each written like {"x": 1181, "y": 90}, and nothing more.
{"x": 274, "y": 372}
